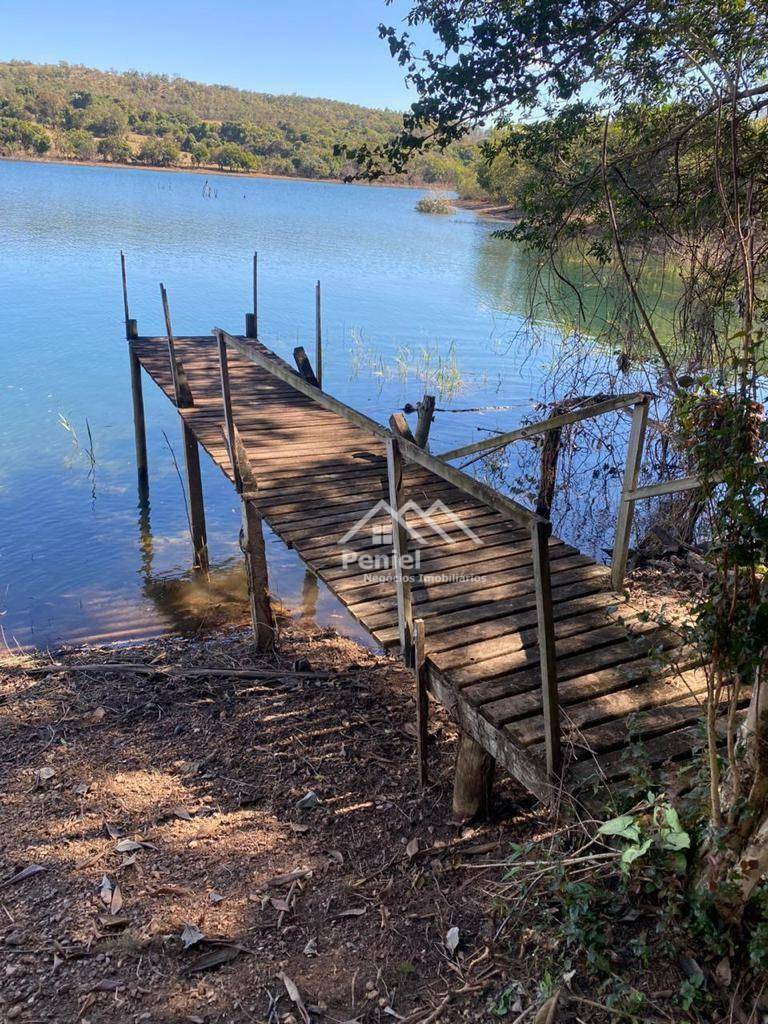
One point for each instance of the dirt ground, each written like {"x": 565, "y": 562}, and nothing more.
{"x": 272, "y": 826}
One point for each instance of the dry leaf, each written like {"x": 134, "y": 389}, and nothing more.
{"x": 191, "y": 935}
{"x": 295, "y": 827}
{"x": 547, "y": 1013}
{"x": 452, "y": 939}
{"x": 213, "y": 958}
{"x": 116, "y": 903}
{"x": 105, "y": 891}
{"x": 723, "y": 972}
{"x": 105, "y": 985}
{"x": 81, "y": 789}
{"x": 280, "y": 905}
{"x": 352, "y": 912}
{"x": 294, "y": 995}
{"x": 412, "y": 848}
{"x": 291, "y": 876}
{"x": 127, "y": 846}
{"x": 308, "y": 801}
{"x": 215, "y": 897}
{"x": 28, "y": 872}
{"x": 113, "y": 923}
{"x": 311, "y": 948}
{"x": 181, "y": 812}
{"x": 44, "y": 775}
{"x": 112, "y": 830}
{"x": 336, "y": 856}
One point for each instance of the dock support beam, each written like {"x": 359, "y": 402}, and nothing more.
{"x": 252, "y": 530}
{"x": 137, "y": 396}
{"x": 195, "y": 497}
{"x": 627, "y": 504}
{"x": 422, "y": 701}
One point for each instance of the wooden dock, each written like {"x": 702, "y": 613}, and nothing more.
{"x": 527, "y": 642}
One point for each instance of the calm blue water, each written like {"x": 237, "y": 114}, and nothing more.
{"x": 411, "y": 303}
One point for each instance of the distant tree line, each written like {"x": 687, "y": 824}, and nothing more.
{"x": 77, "y": 113}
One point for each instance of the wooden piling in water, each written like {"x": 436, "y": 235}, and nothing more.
{"x": 137, "y": 396}
{"x": 252, "y": 319}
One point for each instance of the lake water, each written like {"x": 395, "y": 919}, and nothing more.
{"x": 411, "y": 303}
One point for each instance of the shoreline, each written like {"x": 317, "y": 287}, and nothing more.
{"x": 485, "y": 208}
{"x": 208, "y": 171}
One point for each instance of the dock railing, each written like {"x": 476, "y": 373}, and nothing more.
{"x": 400, "y": 450}
{"x": 639, "y": 402}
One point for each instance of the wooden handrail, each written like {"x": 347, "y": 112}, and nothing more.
{"x": 684, "y": 483}
{"x": 532, "y": 429}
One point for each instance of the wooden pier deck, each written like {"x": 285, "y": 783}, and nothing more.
{"x": 318, "y": 473}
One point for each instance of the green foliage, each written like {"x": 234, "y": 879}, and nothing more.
{"x": 19, "y": 135}
{"x": 158, "y": 120}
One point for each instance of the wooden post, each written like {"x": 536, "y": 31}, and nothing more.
{"x": 137, "y": 396}
{"x": 473, "y": 781}
{"x": 400, "y": 549}
{"x": 426, "y": 414}
{"x": 540, "y": 534}
{"x": 252, "y": 319}
{"x": 305, "y": 367}
{"x": 180, "y": 386}
{"x": 627, "y": 504}
{"x": 195, "y": 497}
{"x": 252, "y": 530}
{"x": 229, "y": 423}
{"x": 131, "y": 328}
{"x": 318, "y": 338}
{"x": 422, "y": 701}
{"x": 254, "y": 550}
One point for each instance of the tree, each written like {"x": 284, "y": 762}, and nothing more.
{"x": 634, "y": 125}
{"x": 232, "y": 157}
{"x": 115, "y": 149}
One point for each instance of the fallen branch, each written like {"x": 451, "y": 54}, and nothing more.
{"x": 135, "y": 668}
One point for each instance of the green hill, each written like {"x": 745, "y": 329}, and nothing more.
{"x": 76, "y": 113}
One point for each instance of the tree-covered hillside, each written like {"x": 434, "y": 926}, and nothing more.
{"x": 78, "y": 113}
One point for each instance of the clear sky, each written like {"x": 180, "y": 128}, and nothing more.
{"x": 328, "y": 48}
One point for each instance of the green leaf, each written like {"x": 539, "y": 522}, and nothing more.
{"x": 632, "y": 853}
{"x": 623, "y": 826}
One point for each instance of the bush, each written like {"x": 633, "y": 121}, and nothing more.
{"x": 434, "y": 204}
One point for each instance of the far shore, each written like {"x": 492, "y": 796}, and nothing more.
{"x": 485, "y": 208}
{"x": 207, "y": 171}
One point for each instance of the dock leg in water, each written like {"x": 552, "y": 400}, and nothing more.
{"x": 252, "y": 544}
{"x": 195, "y": 497}
{"x": 139, "y": 427}
{"x": 473, "y": 782}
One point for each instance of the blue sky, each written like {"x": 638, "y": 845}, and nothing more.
{"x": 324, "y": 48}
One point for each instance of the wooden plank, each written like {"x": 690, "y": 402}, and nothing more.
{"x": 482, "y": 607}
{"x": 498, "y": 697}
{"x": 448, "y": 596}
{"x": 615, "y": 707}
{"x": 554, "y": 422}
